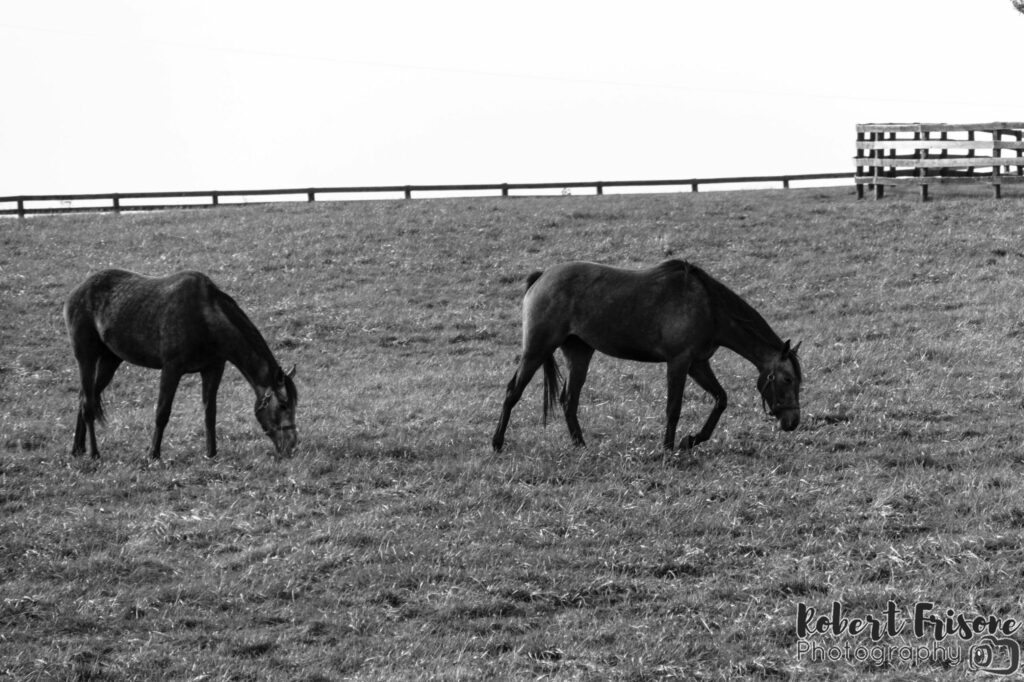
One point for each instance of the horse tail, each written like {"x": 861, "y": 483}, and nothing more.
{"x": 552, "y": 384}
{"x": 78, "y": 328}
{"x": 552, "y": 377}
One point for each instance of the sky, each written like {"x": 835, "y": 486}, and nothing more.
{"x": 119, "y": 96}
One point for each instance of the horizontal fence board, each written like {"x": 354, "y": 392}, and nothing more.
{"x": 940, "y": 144}
{"x": 941, "y": 180}
{"x": 995, "y": 126}
{"x": 110, "y": 209}
{"x": 932, "y": 173}
{"x": 121, "y": 201}
{"x": 423, "y": 188}
{"x": 948, "y": 162}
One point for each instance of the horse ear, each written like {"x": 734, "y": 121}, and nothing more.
{"x": 291, "y": 372}
{"x": 795, "y": 348}
{"x": 785, "y": 349}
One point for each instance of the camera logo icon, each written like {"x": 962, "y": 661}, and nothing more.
{"x": 995, "y": 655}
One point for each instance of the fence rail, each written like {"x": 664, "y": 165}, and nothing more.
{"x": 22, "y": 205}
{"x": 887, "y": 155}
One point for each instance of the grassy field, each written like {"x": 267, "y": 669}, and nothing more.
{"x": 395, "y": 545}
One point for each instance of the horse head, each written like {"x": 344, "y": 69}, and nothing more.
{"x": 779, "y": 385}
{"x": 275, "y": 411}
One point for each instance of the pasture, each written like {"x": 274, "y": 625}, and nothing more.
{"x": 396, "y": 545}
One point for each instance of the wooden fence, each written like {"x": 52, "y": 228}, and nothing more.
{"x": 142, "y": 201}
{"x": 938, "y": 153}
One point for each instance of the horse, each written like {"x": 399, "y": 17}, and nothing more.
{"x": 179, "y": 324}
{"x": 674, "y": 313}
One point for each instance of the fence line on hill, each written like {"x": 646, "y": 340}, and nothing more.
{"x": 122, "y": 201}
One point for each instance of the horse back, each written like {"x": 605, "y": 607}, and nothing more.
{"x": 586, "y": 286}
{"x": 147, "y": 321}
{"x": 648, "y": 314}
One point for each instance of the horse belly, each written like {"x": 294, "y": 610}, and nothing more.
{"x": 628, "y": 351}
{"x": 155, "y": 341}
{"x": 130, "y": 348}
{"x": 641, "y": 341}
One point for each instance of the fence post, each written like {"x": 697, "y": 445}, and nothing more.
{"x": 408, "y": 192}
{"x": 1020, "y": 152}
{"x": 504, "y": 189}
{"x": 877, "y": 170}
{"x": 785, "y": 183}
{"x": 600, "y": 188}
{"x": 117, "y": 203}
{"x": 892, "y": 154}
{"x": 860, "y": 169}
{"x": 693, "y": 186}
{"x": 310, "y": 196}
{"x": 997, "y": 188}
{"x": 21, "y": 208}
{"x": 970, "y": 152}
{"x": 922, "y": 154}
{"x": 216, "y": 198}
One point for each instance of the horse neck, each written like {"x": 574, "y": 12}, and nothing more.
{"x": 242, "y": 344}
{"x": 257, "y": 370}
{"x": 253, "y": 359}
{"x": 758, "y": 348}
{"x": 738, "y": 326}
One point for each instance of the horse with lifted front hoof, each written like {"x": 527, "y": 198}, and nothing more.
{"x": 179, "y": 324}
{"x": 673, "y": 313}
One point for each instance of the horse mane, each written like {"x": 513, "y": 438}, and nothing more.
{"x": 241, "y": 321}
{"x": 727, "y": 303}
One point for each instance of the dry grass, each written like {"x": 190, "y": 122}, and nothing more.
{"x": 395, "y": 545}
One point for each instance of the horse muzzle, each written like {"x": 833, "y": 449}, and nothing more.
{"x": 285, "y": 439}
{"x": 789, "y": 418}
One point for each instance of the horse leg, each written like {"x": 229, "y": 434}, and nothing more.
{"x": 211, "y": 382}
{"x": 528, "y": 366}
{"x": 86, "y": 398}
{"x": 169, "y": 379}
{"x": 577, "y": 356}
{"x": 106, "y": 366}
{"x": 706, "y": 379}
{"x": 78, "y": 445}
{"x": 105, "y": 369}
{"x": 677, "y": 370}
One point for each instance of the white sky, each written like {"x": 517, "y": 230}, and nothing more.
{"x": 119, "y": 96}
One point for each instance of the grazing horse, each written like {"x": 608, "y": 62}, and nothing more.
{"x": 178, "y": 324}
{"x": 673, "y": 313}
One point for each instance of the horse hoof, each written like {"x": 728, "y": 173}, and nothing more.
{"x": 687, "y": 443}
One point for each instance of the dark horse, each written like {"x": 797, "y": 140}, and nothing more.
{"x": 673, "y": 313}
{"x": 178, "y": 324}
